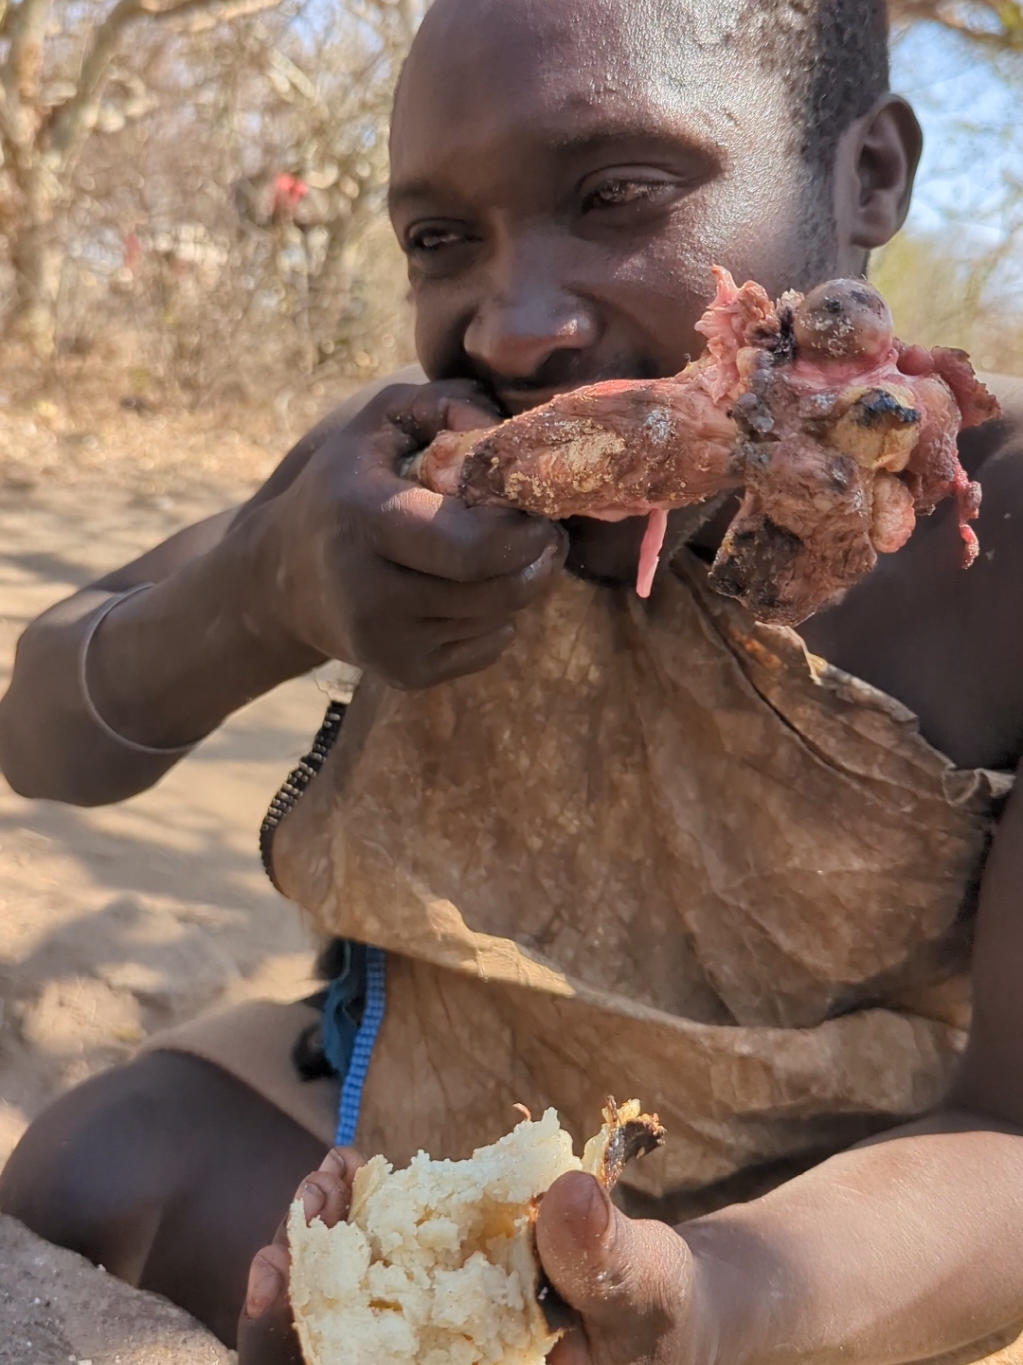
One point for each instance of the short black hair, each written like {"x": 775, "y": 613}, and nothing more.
{"x": 832, "y": 55}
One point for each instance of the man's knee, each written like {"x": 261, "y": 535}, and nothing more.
{"x": 95, "y": 1171}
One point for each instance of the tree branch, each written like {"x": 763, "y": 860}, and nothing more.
{"x": 25, "y": 29}
{"x": 226, "y": 13}
{"x": 1009, "y": 14}
{"x": 71, "y": 121}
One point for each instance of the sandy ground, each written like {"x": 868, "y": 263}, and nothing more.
{"x": 57, "y": 1309}
{"x": 117, "y": 922}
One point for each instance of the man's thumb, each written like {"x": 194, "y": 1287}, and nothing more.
{"x": 619, "y": 1274}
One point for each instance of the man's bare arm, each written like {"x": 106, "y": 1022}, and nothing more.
{"x": 163, "y": 668}
{"x": 51, "y": 745}
{"x": 335, "y": 557}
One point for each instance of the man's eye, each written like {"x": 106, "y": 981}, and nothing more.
{"x": 616, "y": 194}
{"x": 436, "y": 238}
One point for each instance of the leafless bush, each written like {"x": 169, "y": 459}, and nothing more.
{"x": 996, "y": 25}
{"x": 194, "y": 191}
{"x": 223, "y": 215}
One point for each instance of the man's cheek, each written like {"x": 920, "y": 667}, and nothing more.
{"x": 439, "y": 334}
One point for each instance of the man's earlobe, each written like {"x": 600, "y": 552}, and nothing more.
{"x": 877, "y": 160}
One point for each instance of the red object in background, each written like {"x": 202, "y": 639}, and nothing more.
{"x": 288, "y": 193}
{"x": 132, "y": 251}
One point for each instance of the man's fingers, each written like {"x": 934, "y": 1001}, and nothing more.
{"x": 408, "y": 525}
{"x": 439, "y": 599}
{"x": 268, "y": 1279}
{"x": 343, "y": 1162}
{"x": 266, "y": 1333}
{"x": 327, "y": 1193}
{"x": 578, "y": 1240}
{"x": 404, "y": 418}
{"x": 421, "y": 412}
{"x": 469, "y": 656}
{"x": 624, "y": 1277}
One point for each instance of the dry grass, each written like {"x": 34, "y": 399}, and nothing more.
{"x": 99, "y": 420}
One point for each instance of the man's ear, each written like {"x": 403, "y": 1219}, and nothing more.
{"x": 874, "y": 171}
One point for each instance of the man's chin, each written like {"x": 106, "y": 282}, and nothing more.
{"x": 599, "y": 580}
{"x": 607, "y": 552}
{"x": 604, "y": 552}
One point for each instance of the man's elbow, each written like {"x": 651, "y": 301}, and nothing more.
{"x": 55, "y": 756}
{"x": 31, "y": 775}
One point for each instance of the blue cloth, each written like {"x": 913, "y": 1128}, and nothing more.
{"x": 352, "y": 1015}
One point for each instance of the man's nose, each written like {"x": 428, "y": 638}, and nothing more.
{"x": 526, "y": 320}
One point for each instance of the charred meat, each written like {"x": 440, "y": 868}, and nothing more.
{"x": 837, "y": 434}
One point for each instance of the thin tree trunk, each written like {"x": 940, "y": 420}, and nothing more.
{"x": 37, "y": 258}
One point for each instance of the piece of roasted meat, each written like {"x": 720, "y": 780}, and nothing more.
{"x": 837, "y": 433}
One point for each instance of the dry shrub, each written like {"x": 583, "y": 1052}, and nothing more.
{"x": 178, "y": 248}
{"x": 940, "y": 298}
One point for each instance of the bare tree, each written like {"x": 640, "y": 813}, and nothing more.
{"x": 53, "y": 73}
{"x": 996, "y": 25}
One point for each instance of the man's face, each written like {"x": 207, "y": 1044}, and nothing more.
{"x": 565, "y": 173}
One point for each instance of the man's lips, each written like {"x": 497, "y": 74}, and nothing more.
{"x": 526, "y": 397}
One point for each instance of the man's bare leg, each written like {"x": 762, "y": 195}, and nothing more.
{"x": 168, "y": 1172}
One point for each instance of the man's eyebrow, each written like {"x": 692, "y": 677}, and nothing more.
{"x": 410, "y": 192}
{"x": 634, "y": 134}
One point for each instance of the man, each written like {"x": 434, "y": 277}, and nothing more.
{"x": 564, "y": 175}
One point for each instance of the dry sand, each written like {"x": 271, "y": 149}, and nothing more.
{"x": 56, "y": 1308}
{"x": 117, "y": 922}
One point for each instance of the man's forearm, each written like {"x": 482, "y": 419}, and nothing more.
{"x": 894, "y": 1251}
{"x": 165, "y": 666}
{"x": 214, "y": 649}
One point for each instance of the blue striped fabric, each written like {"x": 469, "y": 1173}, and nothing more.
{"x": 362, "y": 1052}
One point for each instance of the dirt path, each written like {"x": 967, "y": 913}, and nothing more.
{"x": 116, "y": 922}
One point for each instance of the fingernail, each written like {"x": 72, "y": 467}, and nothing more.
{"x": 265, "y": 1284}
{"x": 542, "y": 562}
{"x": 335, "y": 1163}
{"x": 313, "y": 1200}
{"x": 598, "y": 1214}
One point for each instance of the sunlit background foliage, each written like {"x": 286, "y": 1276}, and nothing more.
{"x": 149, "y": 148}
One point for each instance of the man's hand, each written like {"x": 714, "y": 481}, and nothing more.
{"x": 266, "y": 1335}
{"x": 630, "y": 1282}
{"x": 357, "y": 563}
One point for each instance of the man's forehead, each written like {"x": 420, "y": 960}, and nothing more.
{"x": 650, "y": 23}
{"x": 572, "y": 68}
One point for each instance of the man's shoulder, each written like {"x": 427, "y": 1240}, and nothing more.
{"x": 1004, "y": 435}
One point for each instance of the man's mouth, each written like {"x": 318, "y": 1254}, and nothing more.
{"x": 524, "y": 395}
